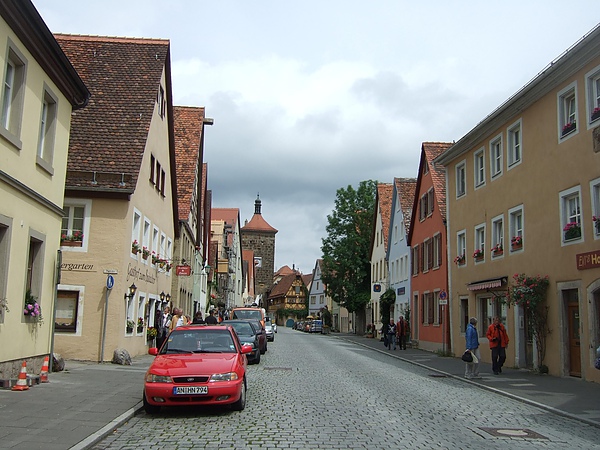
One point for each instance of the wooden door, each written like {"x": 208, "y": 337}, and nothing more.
{"x": 574, "y": 340}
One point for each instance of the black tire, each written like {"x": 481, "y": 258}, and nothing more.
{"x": 257, "y": 359}
{"x": 241, "y": 403}
{"x": 264, "y": 349}
{"x": 150, "y": 409}
{"x": 266, "y": 346}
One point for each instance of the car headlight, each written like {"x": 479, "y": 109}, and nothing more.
{"x": 153, "y": 378}
{"x": 230, "y": 376}
{"x": 249, "y": 343}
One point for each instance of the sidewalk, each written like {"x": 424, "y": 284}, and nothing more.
{"x": 76, "y": 408}
{"x": 568, "y": 396}
{"x": 86, "y": 401}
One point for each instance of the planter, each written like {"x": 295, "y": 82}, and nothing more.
{"x": 568, "y": 128}
{"x": 516, "y": 246}
{"x": 596, "y": 115}
{"x": 597, "y": 225}
{"x": 140, "y": 329}
{"x": 478, "y": 258}
{"x": 498, "y": 252}
{"x": 134, "y": 250}
{"x": 129, "y": 330}
{"x": 573, "y": 233}
{"x": 144, "y": 257}
{"x": 71, "y": 243}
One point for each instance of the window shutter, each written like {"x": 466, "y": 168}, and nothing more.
{"x": 430, "y": 254}
{"x": 423, "y": 300}
{"x": 430, "y": 308}
{"x": 430, "y": 200}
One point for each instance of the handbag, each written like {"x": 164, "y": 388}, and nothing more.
{"x": 467, "y": 356}
{"x": 597, "y": 363}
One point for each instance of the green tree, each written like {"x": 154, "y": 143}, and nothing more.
{"x": 346, "y": 260}
{"x": 386, "y": 300}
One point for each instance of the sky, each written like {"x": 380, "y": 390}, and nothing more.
{"x": 312, "y": 96}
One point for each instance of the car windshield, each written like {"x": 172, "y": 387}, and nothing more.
{"x": 199, "y": 341}
{"x": 247, "y": 314}
{"x": 243, "y": 328}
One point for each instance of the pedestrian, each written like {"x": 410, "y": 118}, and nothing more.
{"x": 211, "y": 319}
{"x": 401, "y": 333}
{"x": 472, "y": 340}
{"x": 198, "y": 318}
{"x": 177, "y": 319}
{"x": 163, "y": 326}
{"x": 498, "y": 339}
{"x": 391, "y": 334}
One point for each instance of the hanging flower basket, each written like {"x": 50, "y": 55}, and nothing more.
{"x": 135, "y": 247}
{"x": 145, "y": 252}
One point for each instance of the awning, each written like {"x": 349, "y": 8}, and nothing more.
{"x": 486, "y": 284}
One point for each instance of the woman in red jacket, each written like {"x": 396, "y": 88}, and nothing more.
{"x": 498, "y": 340}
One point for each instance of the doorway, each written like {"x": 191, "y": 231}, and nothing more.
{"x": 571, "y": 298}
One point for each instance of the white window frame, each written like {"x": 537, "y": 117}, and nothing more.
{"x": 461, "y": 179}
{"x": 498, "y": 235}
{"x": 85, "y": 229}
{"x": 146, "y": 238}
{"x": 516, "y": 225}
{"x": 479, "y": 240}
{"x": 595, "y": 196}
{"x": 592, "y": 95}
{"x": 567, "y": 111}
{"x": 479, "y": 168}
{"x": 13, "y": 93}
{"x": 46, "y": 138}
{"x": 569, "y": 198}
{"x": 135, "y": 230}
{"x": 514, "y": 142}
{"x": 461, "y": 244}
{"x": 437, "y": 250}
{"x": 496, "y": 157}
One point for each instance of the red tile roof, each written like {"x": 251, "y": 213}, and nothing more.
{"x": 432, "y": 150}
{"x": 405, "y": 189}
{"x": 257, "y": 223}
{"x": 384, "y": 199}
{"x": 187, "y": 124}
{"x": 109, "y": 135}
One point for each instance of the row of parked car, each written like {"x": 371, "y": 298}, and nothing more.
{"x": 309, "y": 326}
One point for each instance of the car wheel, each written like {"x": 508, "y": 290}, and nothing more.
{"x": 241, "y": 403}
{"x": 266, "y": 346}
{"x": 150, "y": 409}
{"x": 264, "y": 349}
{"x": 257, "y": 359}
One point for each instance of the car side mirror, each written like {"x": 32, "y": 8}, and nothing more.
{"x": 246, "y": 349}
{"x": 153, "y": 351}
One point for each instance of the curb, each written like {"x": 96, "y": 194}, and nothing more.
{"x": 483, "y": 386}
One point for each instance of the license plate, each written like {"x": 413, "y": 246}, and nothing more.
{"x": 190, "y": 390}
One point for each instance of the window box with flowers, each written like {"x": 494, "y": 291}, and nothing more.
{"x": 145, "y": 252}
{"x": 568, "y": 128}
{"x": 596, "y": 114}
{"x": 596, "y": 220}
{"x": 459, "y": 260}
{"x": 572, "y": 230}
{"x": 516, "y": 242}
{"x": 32, "y": 308}
{"x": 478, "y": 255}
{"x": 497, "y": 250}
{"x": 155, "y": 258}
{"x": 140, "y": 325}
{"x": 130, "y": 325}
{"x": 72, "y": 240}
{"x": 151, "y": 333}
{"x": 135, "y": 247}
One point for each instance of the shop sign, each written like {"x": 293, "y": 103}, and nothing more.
{"x": 589, "y": 260}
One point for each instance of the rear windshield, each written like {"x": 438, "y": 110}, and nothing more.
{"x": 247, "y": 314}
{"x": 243, "y": 328}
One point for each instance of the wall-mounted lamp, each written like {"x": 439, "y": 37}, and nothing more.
{"x": 162, "y": 296}
{"x": 132, "y": 290}
{"x": 168, "y": 297}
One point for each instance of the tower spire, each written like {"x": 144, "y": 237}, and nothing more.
{"x": 257, "y": 204}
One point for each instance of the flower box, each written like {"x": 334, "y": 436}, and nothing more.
{"x": 71, "y": 243}
{"x": 498, "y": 252}
{"x": 140, "y": 329}
{"x": 516, "y": 246}
{"x": 596, "y": 114}
{"x": 569, "y": 128}
{"x": 572, "y": 231}
{"x": 459, "y": 260}
{"x": 129, "y": 330}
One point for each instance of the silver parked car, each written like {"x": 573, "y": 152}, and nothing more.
{"x": 270, "y": 331}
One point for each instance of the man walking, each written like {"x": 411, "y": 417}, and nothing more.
{"x": 498, "y": 339}
{"x": 391, "y": 334}
{"x": 401, "y": 333}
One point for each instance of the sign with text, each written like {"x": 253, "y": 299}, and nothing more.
{"x": 589, "y": 260}
{"x": 183, "y": 271}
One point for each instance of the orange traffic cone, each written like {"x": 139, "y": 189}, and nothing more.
{"x": 22, "y": 381}
{"x": 44, "y": 372}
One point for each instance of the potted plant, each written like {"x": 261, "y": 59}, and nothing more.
{"x": 478, "y": 254}
{"x": 459, "y": 260}
{"x": 72, "y": 240}
{"x": 32, "y": 308}
{"x": 151, "y": 333}
{"x": 130, "y": 325}
{"x": 572, "y": 230}
{"x": 571, "y": 126}
{"x": 155, "y": 258}
{"x": 135, "y": 247}
{"x": 497, "y": 249}
{"x": 596, "y": 113}
{"x": 516, "y": 242}
{"x": 596, "y": 220}
{"x": 145, "y": 252}
{"x": 140, "y": 324}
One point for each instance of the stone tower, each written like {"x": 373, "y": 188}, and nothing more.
{"x": 259, "y": 236}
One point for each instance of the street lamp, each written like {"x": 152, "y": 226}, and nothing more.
{"x": 162, "y": 296}
{"x": 132, "y": 290}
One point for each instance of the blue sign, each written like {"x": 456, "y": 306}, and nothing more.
{"x": 443, "y": 295}
{"x": 401, "y": 290}
{"x": 110, "y": 282}
{"x": 377, "y": 287}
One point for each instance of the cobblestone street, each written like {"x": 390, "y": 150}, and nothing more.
{"x": 316, "y": 391}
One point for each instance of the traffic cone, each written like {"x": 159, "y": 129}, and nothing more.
{"x": 44, "y": 372}
{"x": 22, "y": 381}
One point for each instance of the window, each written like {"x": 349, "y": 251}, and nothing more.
{"x": 75, "y": 223}
{"x": 160, "y": 100}
{"x": 461, "y": 244}
{"x": 135, "y": 229}
{"x": 45, "y": 152}
{"x": 461, "y": 182}
{"x": 592, "y": 93}
{"x": 567, "y": 111}
{"x": 480, "y": 241}
{"x": 496, "y": 156}
{"x": 146, "y": 238}
{"x": 427, "y": 308}
{"x": 152, "y": 166}
{"x": 490, "y": 307}
{"x": 155, "y": 247}
{"x": 131, "y": 314}
{"x": 13, "y": 93}
{"x": 5, "y": 224}
{"x": 423, "y": 206}
{"x": 479, "y": 164}
{"x": 313, "y": 299}
{"x": 514, "y": 144}
{"x": 570, "y": 204}
{"x": 67, "y": 303}
{"x": 464, "y": 314}
{"x": 415, "y": 260}
{"x": 515, "y": 218}
{"x": 35, "y": 263}
{"x": 141, "y": 313}
{"x": 595, "y": 193}
{"x": 497, "y": 236}
{"x": 437, "y": 250}
{"x": 427, "y": 255}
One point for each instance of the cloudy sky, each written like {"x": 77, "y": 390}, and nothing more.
{"x": 314, "y": 95}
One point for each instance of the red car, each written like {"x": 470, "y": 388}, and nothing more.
{"x": 197, "y": 365}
